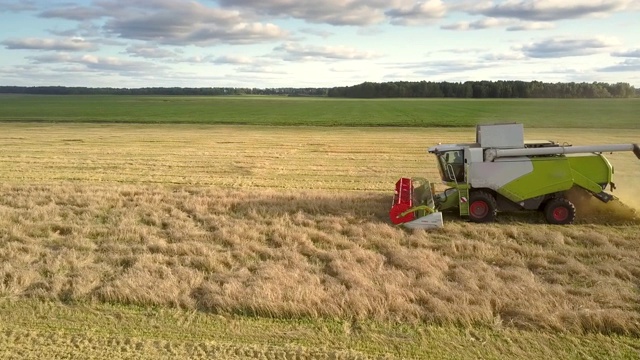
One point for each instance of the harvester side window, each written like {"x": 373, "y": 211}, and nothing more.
{"x": 453, "y": 159}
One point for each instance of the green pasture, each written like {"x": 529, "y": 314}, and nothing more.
{"x": 272, "y": 110}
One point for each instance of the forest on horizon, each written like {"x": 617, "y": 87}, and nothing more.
{"x": 371, "y": 90}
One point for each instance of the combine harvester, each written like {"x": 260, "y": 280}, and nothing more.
{"x": 502, "y": 172}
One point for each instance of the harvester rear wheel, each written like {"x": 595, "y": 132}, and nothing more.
{"x": 560, "y": 211}
{"x": 482, "y": 207}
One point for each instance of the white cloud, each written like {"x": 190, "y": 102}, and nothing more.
{"x": 200, "y": 42}
{"x": 558, "y": 47}
{"x": 535, "y": 25}
{"x": 629, "y": 65}
{"x": 150, "y": 52}
{"x": 443, "y": 66}
{"x": 506, "y": 56}
{"x": 297, "y": 52}
{"x": 260, "y": 69}
{"x": 68, "y": 44}
{"x": 24, "y": 5}
{"x": 195, "y": 25}
{"x": 485, "y": 23}
{"x": 317, "y": 32}
{"x": 234, "y": 60}
{"x": 335, "y": 12}
{"x": 547, "y": 10}
{"x": 94, "y": 62}
{"x": 176, "y": 22}
{"x": 633, "y": 53}
{"x": 79, "y": 13}
{"x": 420, "y": 13}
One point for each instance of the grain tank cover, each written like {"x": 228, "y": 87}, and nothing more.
{"x": 500, "y": 136}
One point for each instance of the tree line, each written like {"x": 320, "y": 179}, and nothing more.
{"x": 398, "y": 89}
{"x": 204, "y": 91}
{"x": 484, "y": 89}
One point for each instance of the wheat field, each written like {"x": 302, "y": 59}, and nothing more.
{"x": 291, "y": 223}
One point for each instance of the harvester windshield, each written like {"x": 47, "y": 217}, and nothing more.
{"x": 451, "y": 165}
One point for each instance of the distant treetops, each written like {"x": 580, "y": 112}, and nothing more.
{"x": 397, "y": 89}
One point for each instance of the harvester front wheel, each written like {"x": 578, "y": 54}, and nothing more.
{"x": 482, "y": 207}
{"x": 560, "y": 211}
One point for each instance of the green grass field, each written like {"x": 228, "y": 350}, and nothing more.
{"x": 544, "y": 113}
{"x": 272, "y": 242}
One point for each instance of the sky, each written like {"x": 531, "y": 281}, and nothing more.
{"x": 319, "y": 43}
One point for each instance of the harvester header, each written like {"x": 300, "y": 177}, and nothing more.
{"x": 503, "y": 172}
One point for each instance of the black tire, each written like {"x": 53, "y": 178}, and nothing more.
{"x": 483, "y": 207}
{"x": 560, "y": 211}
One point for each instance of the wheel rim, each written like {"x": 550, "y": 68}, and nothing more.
{"x": 560, "y": 213}
{"x": 479, "y": 209}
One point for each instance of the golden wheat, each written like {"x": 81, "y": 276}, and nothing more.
{"x": 264, "y": 221}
